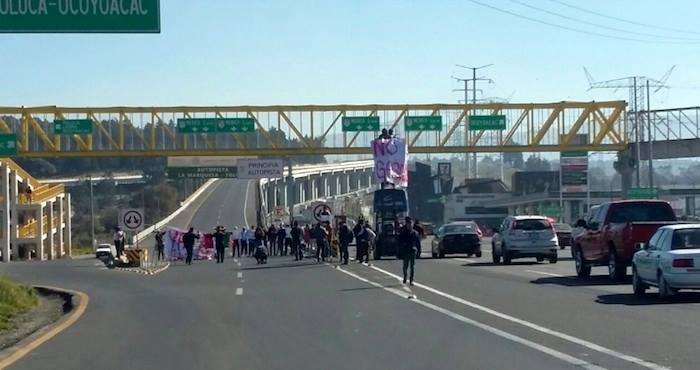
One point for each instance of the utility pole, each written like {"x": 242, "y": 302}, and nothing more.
{"x": 649, "y": 130}
{"x": 466, "y": 81}
{"x": 92, "y": 215}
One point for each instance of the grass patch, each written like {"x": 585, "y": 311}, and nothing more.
{"x": 14, "y": 299}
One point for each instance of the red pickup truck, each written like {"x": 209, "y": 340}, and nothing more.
{"x": 613, "y": 229}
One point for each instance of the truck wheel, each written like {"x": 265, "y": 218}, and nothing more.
{"x": 435, "y": 255}
{"x": 583, "y": 270}
{"x": 638, "y": 286}
{"x": 616, "y": 268}
{"x": 553, "y": 258}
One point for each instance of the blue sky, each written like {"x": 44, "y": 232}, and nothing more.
{"x": 225, "y": 52}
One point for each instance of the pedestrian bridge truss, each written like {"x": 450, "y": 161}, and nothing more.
{"x": 316, "y": 129}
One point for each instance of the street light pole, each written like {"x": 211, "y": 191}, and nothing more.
{"x": 92, "y": 215}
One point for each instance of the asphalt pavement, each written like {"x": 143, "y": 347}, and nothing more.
{"x": 464, "y": 313}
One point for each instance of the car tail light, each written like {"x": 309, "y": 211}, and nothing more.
{"x": 683, "y": 262}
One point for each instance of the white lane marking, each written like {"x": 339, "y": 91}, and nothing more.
{"x": 238, "y": 263}
{"x": 239, "y": 275}
{"x": 538, "y": 347}
{"x": 245, "y": 204}
{"x": 239, "y": 291}
{"x": 235, "y": 260}
{"x": 542, "y": 329}
{"x": 544, "y": 273}
{"x": 466, "y": 260}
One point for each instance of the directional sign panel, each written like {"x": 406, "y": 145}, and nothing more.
{"x": 8, "y": 144}
{"x": 491, "y": 122}
{"x": 423, "y": 123}
{"x": 65, "y": 16}
{"x": 355, "y": 124}
{"x": 131, "y": 219}
{"x": 643, "y": 193}
{"x": 201, "y": 172}
{"x": 72, "y": 126}
{"x": 214, "y": 125}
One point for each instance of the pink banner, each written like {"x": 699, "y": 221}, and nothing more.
{"x": 390, "y": 164}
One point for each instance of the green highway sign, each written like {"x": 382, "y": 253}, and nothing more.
{"x": 643, "y": 193}
{"x": 79, "y": 16}
{"x": 574, "y": 154}
{"x": 492, "y": 122}
{"x": 235, "y": 125}
{"x": 214, "y": 125}
{"x": 201, "y": 172}
{"x": 8, "y": 144}
{"x": 550, "y": 211}
{"x": 423, "y": 123}
{"x": 72, "y": 126}
{"x": 355, "y": 124}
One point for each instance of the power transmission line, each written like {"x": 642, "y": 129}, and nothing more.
{"x": 577, "y": 30}
{"x": 602, "y": 25}
{"x": 625, "y": 20}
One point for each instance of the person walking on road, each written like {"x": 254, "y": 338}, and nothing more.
{"x": 296, "y": 241}
{"x": 421, "y": 233}
{"x": 259, "y": 237}
{"x": 362, "y": 238}
{"x": 271, "y": 236}
{"x": 287, "y": 239}
{"x": 160, "y": 246}
{"x": 220, "y": 242}
{"x": 236, "y": 237}
{"x": 250, "y": 236}
{"x": 280, "y": 240}
{"x": 320, "y": 234}
{"x": 409, "y": 242}
{"x": 345, "y": 237}
{"x": 119, "y": 240}
{"x": 188, "y": 241}
{"x": 243, "y": 242}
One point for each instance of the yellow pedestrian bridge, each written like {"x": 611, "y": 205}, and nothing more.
{"x": 291, "y": 130}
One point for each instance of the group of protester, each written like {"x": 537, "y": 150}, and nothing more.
{"x": 282, "y": 240}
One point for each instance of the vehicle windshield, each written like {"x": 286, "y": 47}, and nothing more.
{"x": 451, "y": 229}
{"x": 642, "y": 212}
{"x": 532, "y": 225}
{"x": 686, "y": 239}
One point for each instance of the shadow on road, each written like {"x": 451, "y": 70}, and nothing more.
{"x": 576, "y": 281}
{"x": 483, "y": 264}
{"x": 648, "y": 299}
{"x": 285, "y": 265}
{"x": 371, "y": 288}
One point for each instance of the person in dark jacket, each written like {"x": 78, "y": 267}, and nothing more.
{"x": 271, "y": 236}
{"x": 409, "y": 242}
{"x": 281, "y": 234}
{"x": 296, "y": 241}
{"x": 421, "y": 232}
{"x": 362, "y": 241}
{"x": 321, "y": 235}
{"x": 188, "y": 241}
{"x": 160, "y": 246}
{"x": 221, "y": 238}
{"x": 345, "y": 237}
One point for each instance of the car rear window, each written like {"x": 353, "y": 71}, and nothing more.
{"x": 532, "y": 224}
{"x": 686, "y": 239}
{"x": 459, "y": 228}
{"x": 565, "y": 228}
{"x": 642, "y": 212}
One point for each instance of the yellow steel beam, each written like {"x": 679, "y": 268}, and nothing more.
{"x": 454, "y": 126}
{"x": 235, "y": 136}
{"x": 294, "y": 128}
{"x": 153, "y": 130}
{"x": 309, "y": 108}
{"x": 340, "y": 114}
{"x": 262, "y": 130}
{"x": 39, "y": 131}
{"x": 612, "y": 133}
{"x": 122, "y": 118}
{"x": 113, "y": 144}
{"x": 606, "y": 127}
{"x": 546, "y": 126}
{"x": 585, "y": 114}
{"x": 516, "y": 126}
{"x": 398, "y": 119}
{"x": 24, "y": 131}
{"x": 5, "y": 128}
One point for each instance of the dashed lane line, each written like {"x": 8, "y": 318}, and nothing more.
{"x": 544, "y": 273}
{"x": 239, "y": 291}
{"x": 542, "y": 329}
{"x": 528, "y": 343}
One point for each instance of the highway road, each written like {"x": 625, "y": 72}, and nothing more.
{"x": 466, "y": 314}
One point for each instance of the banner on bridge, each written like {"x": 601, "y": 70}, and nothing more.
{"x": 390, "y": 161}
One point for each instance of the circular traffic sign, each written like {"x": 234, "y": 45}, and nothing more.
{"x": 321, "y": 210}
{"x": 132, "y": 219}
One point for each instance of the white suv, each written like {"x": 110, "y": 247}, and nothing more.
{"x": 525, "y": 236}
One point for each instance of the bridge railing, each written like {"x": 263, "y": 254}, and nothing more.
{"x": 316, "y": 130}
